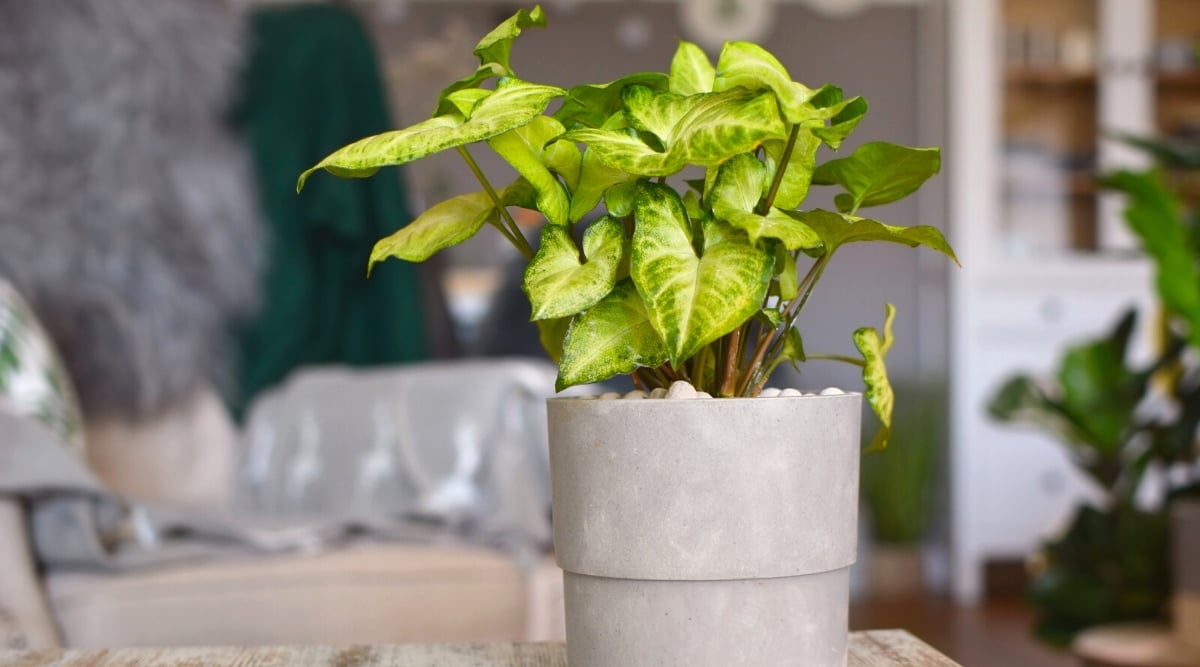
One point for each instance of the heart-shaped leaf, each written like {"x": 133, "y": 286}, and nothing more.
{"x": 595, "y": 178}
{"x": 525, "y": 149}
{"x": 838, "y": 229}
{"x": 592, "y": 105}
{"x": 748, "y": 65}
{"x": 551, "y": 334}
{"x": 693, "y": 300}
{"x": 879, "y": 388}
{"x": 513, "y": 104}
{"x": 739, "y": 186}
{"x": 878, "y": 173}
{"x": 496, "y": 46}
{"x": 705, "y": 130}
{"x": 613, "y": 337}
{"x": 441, "y": 226}
{"x": 691, "y": 71}
{"x": 558, "y": 283}
{"x": 797, "y": 177}
{"x": 450, "y": 100}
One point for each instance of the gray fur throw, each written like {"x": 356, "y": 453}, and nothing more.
{"x": 127, "y": 213}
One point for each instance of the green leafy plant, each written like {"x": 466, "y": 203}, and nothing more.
{"x": 1119, "y": 421}
{"x": 703, "y": 283}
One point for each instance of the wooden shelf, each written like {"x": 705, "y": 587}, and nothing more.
{"x": 1048, "y": 76}
{"x": 1189, "y": 78}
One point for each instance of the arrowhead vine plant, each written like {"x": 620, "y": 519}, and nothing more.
{"x": 703, "y": 283}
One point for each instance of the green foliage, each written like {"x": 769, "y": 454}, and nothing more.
{"x": 705, "y": 287}
{"x": 1111, "y": 564}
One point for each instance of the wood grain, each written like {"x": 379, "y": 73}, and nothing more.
{"x": 876, "y": 648}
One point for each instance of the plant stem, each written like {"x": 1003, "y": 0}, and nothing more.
{"x": 789, "y": 319}
{"x": 514, "y": 236}
{"x": 767, "y": 203}
{"x": 733, "y": 351}
{"x": 837, "y": 357}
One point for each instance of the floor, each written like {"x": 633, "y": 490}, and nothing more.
{"x": 995, "y": 634}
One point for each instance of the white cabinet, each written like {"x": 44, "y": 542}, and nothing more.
{"x": 1034, "y": 85}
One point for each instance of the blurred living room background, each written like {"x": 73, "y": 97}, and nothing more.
{"x": 257, "y": 444}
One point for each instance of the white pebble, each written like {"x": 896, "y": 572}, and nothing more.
{"x": 658, "y": 392}
{"x": 681, "y": 389}
{"x": 769, "y": 392}
{"x": 636, "y": 393}
{"x": 811, "y": 393}
{"x": 703, "y": 394}
{"x": 609, "y": 396}
{"x": 831, "y": 391}
{"x": 791, "y": 392}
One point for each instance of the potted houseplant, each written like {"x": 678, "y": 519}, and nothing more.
{"x": 698, "y": 532}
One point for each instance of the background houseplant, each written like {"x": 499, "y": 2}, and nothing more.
{"x": 1122, "y": 421}
{"x": 698, "y": 271}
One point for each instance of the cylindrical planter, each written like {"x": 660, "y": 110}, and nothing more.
{"x": 706, "y": 532}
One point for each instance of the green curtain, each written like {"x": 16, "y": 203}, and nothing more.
{"x": 311, "y": 86}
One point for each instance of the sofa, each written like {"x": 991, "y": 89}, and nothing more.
{"x": 393, "y": 505}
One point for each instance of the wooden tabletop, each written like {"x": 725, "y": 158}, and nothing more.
{"x": 875, "y": 648}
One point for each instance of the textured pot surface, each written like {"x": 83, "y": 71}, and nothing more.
{"x": 706, "y": 532}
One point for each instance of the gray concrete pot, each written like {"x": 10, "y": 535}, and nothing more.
{"x": 706, "y": 532}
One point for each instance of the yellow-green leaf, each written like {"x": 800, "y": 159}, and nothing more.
{"x": 551, "y": 334}
{"x": 513, "y": 104}
{"x": 496, "y": 46}
{"x": 613, "y": 337}
{"x": 838, "y": 229}
{"x": 622, "y": 150}
{"x": 595, "y": 178}
{"x": 441, "y": 226}
{"x": 878, "y": 173}
{"x": 558, "y": 283}
{"x": 752, "y": 67}
{"x": 797, "y": 176}
{"x": 693, "y": 299}
{"x": 691, "y": 71}
{"x": 525, "y": 149}
{"x": 739, "y": 185}
{"x": 879, "y": 388}
{"x": 592, "y": 105}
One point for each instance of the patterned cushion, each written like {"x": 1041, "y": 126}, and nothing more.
{"x": 33, "y": 381}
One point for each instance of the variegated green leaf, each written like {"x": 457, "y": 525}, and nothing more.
{"x": 594, "y": 180}
{"x": 622, "y": 150}
{"x": 463, "y": 102}
{"x": 551, "y": 334}
{"x": 619, "y": 198}
{"x": 740, "y": 184}
{"x": 525, "y": 149}
{"x": 496, "y": 46}
{"x": 878, "y": 173}
{"x": 513, "y": 104}
{"x": 879, "y": 388}
{"x": 558, "y": 283}
{"x": 613, "y": 337}
{"x": 753, "y": 67}
{"x": 565, "y": 159}
{"x": 659, "y": 113}
{"x": 441, "y": 226}
{"x": 693, "y": 300}
{"x": 725, "y": 124}
{"x": 448, "y": 103}
{"x": 797, "y": 177}
{"x": 691, "y": 71}
{"x": 838, "y": 229}
{"x": 592, "y": 105}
